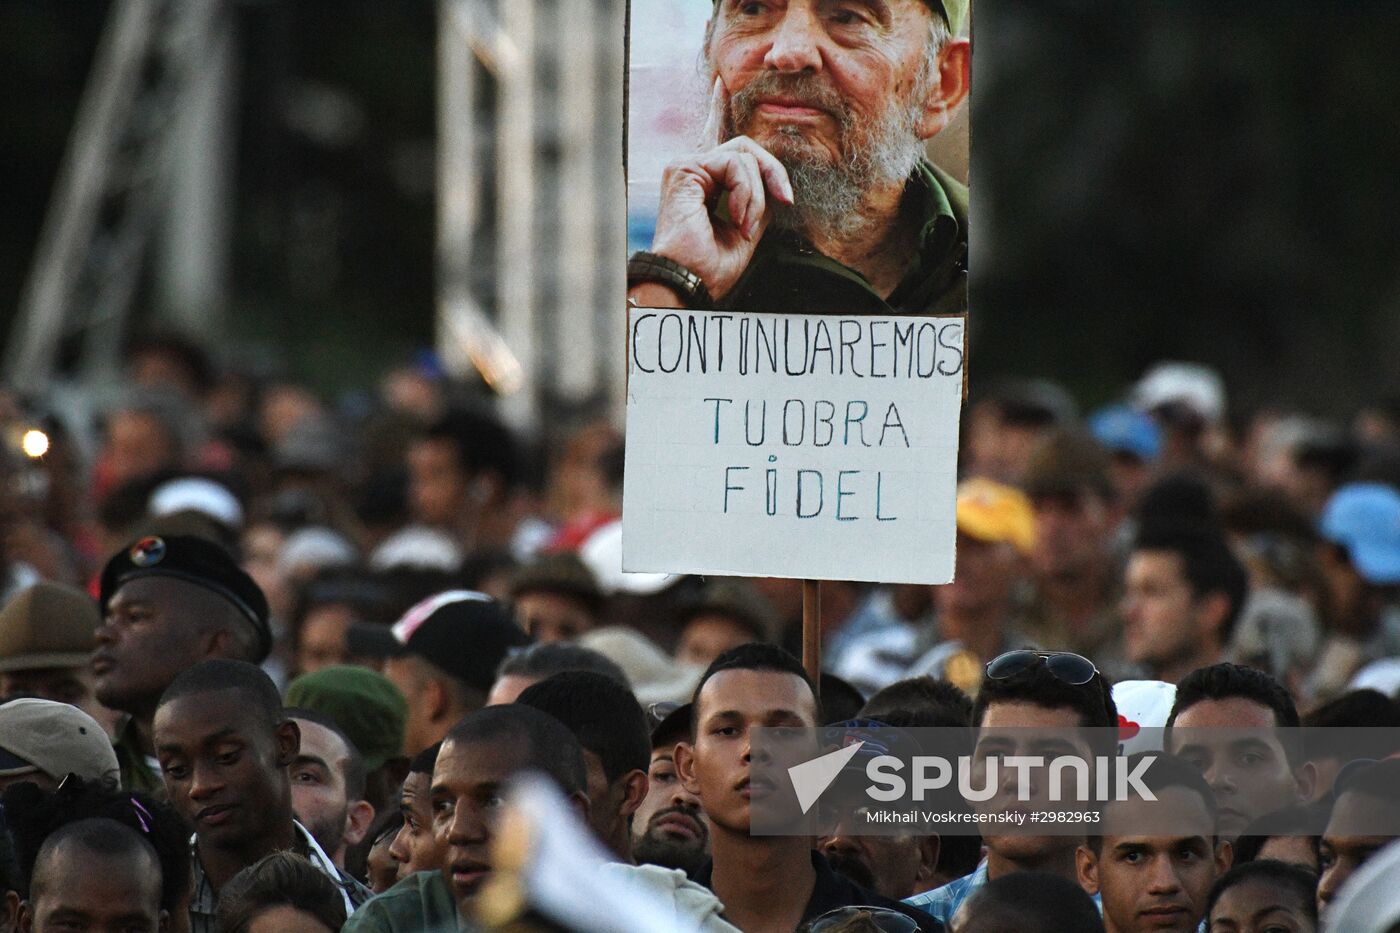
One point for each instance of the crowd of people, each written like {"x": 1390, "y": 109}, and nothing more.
{"x": 271, "y": 664}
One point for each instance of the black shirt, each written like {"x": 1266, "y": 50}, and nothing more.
{"x": 834, "y": 890}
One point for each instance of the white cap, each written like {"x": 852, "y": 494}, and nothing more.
{"x": 315, "y": 548}
{"x": 197, "y": 494}
{"x": 419, "y": 548}
{"x": 602, "y": 552}
{"x": 1143, "y": 708}
{"x": 1198, "y": 387}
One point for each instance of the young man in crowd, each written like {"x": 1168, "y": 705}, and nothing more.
{"x": 1182, "y": 594}
{"x": 1077, "y": 514}
{"x": 328, "y": 785}
{"x": 1263, "y": 897}
{"x": 224, "y": 748}
{"x": 477, "y": 759}
{"x": 168, "y": 604}
{"x": 1153, "y": 862}
{"x": 1024, "y": 693}
{"x": 95, "y": 874}
{"x": 1029, "y": 902}
{"x": 556, "y": 598}
{"x": 670, "y": 828}
{"x": 606, "y": 719}
{"x": 442, "y": 654}
{"x": 1226, "y": 721}
{"x": 533, "y": 663}
{"x": 1365, "y": 818}
{"x": 766, "y": 883}
{"x": 416, "y": 847}
{"x": 47, "y": 634}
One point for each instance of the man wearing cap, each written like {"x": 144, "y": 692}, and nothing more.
{"x": 556, "y": 598}
{"x": 371, "y": 711}
{"x": 167, "y": 604}
{"x": 442, "y": 655}
{"x": 976, "y": 615}
{"x": 1077, "y": 515}
{"x": 43, "y": 742}
{"x": 1360, "y": 561}
{"x": 47, "y": 634}
{"x": 814, "y": 195}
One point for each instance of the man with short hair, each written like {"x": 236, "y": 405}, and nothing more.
{"x": 765, "y": 882}
{"x": 95, "y": 874}
{"x": 531, "y": 664}
{"x": 43, "y": 742}
{"x": 1153, "y": 862}
{"x": 1026, "y": 704}
{"x": 1365, "y": 818}
{"x": 462, "y": 474}
{"x": 416, "y": 847}
{"x": 606, "y": 719}
{"x": 1029, "y": 902}
{"x": 47, "y": 634}
{"x": 479, "y": 756}
{"x": 670, "y": 828}
{"x": 328, "y": 785}
{"x": 817, "y": 126}
{"x": 1227, "y": 721}
{"x": 224, "y": 747}
{"x": 1182, "y": 594}
{"x": 168, "y": 604}
{"x": 442, "y": 655}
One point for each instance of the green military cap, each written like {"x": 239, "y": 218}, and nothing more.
{"x": 366, "y": 706}
{"x": 954, "y": 12}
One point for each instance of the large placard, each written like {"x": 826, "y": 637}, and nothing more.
{"x": 788, "y": 445}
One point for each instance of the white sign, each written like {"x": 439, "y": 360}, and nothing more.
{"x": 784, "y": 445}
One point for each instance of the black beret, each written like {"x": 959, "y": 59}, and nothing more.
{"x": 197, "y": 561}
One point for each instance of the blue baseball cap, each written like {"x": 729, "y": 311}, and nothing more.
{"x": 1364, "y": 518}
{"x": 1122, "y": 429}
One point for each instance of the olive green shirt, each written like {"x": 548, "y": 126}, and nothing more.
{"x": 136, "y": 772}
{"x": 788, "y": 275}
{"x": 420, "y": 903}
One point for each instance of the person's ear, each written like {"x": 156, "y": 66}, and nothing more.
{"x": 1307, "y": 779}
{"x": 1212, "y": 610}
{"x": 358, "y": 817}
{"x": 684, "y": 757}
{"x": 949, "y": 90}
{"x": 1086, "y": 864}
{"x": 435, "y": 699}
{"x": 634, "y": 791}
{"x": 1224, "y": 856}
{"x": 24, "y": 916}
{"x": 288, "y": 737}
{"x": 579, "y": 801}
{"x": 929, "y": 848}
{"x": 9, "y": 912}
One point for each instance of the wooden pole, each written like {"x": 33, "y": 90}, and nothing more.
{"x": 812, "y": 630}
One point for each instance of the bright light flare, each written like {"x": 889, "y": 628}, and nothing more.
{"x": 34, "y": 443}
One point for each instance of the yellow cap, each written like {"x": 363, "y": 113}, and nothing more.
{"x": 989, "y": 511}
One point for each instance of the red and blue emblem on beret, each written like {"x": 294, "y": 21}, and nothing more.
{"x": 147, "y": 552}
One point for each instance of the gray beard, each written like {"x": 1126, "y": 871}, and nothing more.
{"x": 829, "y": 197}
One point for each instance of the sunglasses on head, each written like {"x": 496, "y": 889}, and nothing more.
{"x": 1067, "y": 667}
{"x": 884, "y": 919}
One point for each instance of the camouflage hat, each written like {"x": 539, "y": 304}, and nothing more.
{"x": 46, "y": 626}
{"x": 366, "y": 706}
{"x": 1067, "y": 463}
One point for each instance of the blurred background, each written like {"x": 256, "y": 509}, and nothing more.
{"x": 320, "y": 191}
